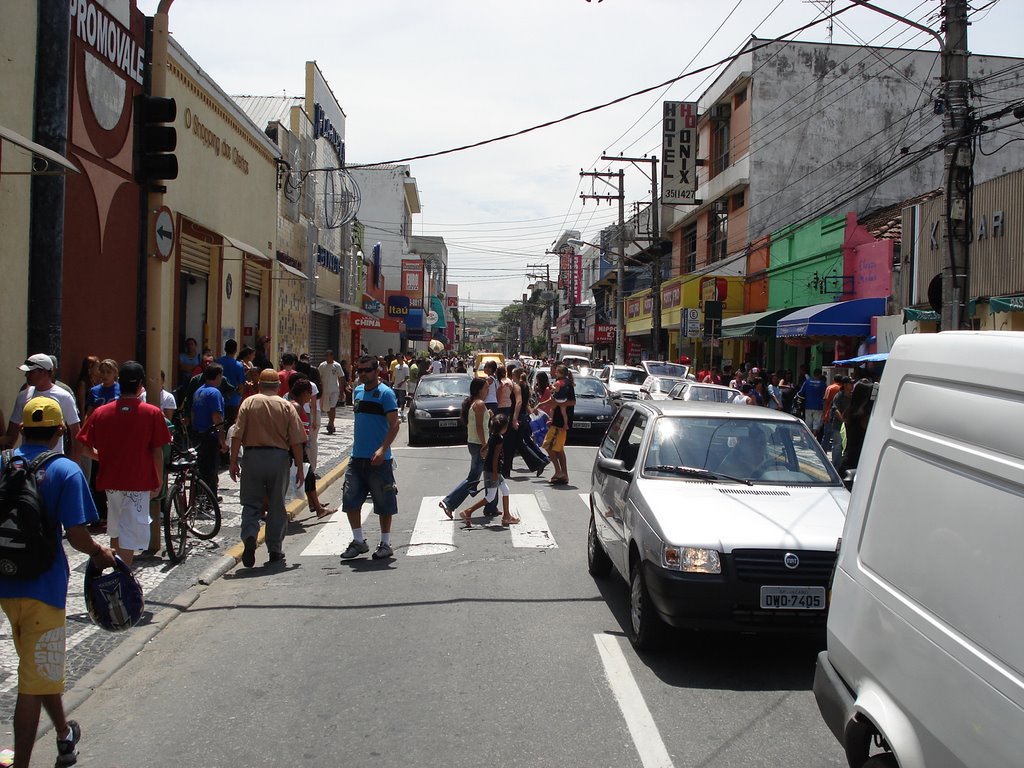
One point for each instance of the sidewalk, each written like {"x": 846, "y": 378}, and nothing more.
{"x": 165, "y": 585}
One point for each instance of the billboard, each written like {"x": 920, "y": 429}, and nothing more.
{"x": 679, "y": 153}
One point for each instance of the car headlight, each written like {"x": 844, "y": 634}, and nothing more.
{"x": 421, "y": 414}
{"x": 690, "y": 559}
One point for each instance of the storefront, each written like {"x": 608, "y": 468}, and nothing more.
{"x": 217, "y": 283}
{"x": 100, "y": 297}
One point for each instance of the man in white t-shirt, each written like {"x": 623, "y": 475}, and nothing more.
{"x": 38, "y": 370}
{"x": 400, "y": 383}
{"x": 436, "y": 366}
{"x": 331, "y": 385}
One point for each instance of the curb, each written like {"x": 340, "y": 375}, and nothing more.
{"x": 134, "y": 645}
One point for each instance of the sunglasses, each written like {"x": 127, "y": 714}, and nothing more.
{"x": 365, "y": 370}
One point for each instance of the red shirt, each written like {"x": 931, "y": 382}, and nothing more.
{"x": 282, "y": 376}
{"x": 125, "y": 432}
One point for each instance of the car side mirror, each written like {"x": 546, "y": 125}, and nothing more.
{"x": 848, "y": 477}
{"x": 614, "y": 467}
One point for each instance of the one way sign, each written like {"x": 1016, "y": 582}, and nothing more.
{"x": 163, "y": 232}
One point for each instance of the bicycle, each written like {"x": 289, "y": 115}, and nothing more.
{"x": 189, "y": 506}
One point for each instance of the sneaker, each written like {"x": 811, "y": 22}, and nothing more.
{"x": 67, "y": 749}
{"x": 276, "y": 558}
{"x": 249, "y": 552}
{"x": 383, "y": 552}
{"x": 355, "y": 549}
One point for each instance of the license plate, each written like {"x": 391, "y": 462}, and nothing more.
{"x": 793, "y": 598}
{"x": 448, "y": 423}
{"x": 581, "y": 425}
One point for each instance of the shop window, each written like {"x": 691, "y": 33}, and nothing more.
{"x": 690, "y": 249}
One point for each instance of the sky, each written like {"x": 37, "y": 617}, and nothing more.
{"x": 416, "y": 77}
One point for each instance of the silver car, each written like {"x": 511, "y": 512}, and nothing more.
{"x": 717, "y": 516}
{"x": 691, "y": 390}
{"x": 658, "y": 387}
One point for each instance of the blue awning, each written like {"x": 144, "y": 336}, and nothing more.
{"x": 874, "y": 357}
{"x": 838, "y": 318}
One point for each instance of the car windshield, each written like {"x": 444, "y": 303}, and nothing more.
{"x": 629, "y": 377}
{"x": 454, "y": 387}
{"x": 772, "y": 452}
{"x": 587, "y": 386}
{"x": 708, "y": 394}
{"x": 664, "y": 384}
{"x": 667, "y": 369}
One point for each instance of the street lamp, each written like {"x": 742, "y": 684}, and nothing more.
{"x": 620, "y": 298}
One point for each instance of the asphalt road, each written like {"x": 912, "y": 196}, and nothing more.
{"x": 491, "y": 646}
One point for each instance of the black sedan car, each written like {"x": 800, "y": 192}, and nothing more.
{"x": 435, "y": 411}
{"x": 594, "y": 408}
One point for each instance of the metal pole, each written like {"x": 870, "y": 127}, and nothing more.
{"x": 958, "y": 163}
{"x": 656, "y": 263}
{"x": 620, "y": 277}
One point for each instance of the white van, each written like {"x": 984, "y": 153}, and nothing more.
{"x": 925, "y": 659}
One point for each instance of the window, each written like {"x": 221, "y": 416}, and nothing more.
{"x": 629, "y": 447}
{"x": 690, "y": 248}
{"x": 739, "y": 98}
{"x": 720, "y": 116}
{"x": 738, "y": 201}
{"x": 718, "y": 231}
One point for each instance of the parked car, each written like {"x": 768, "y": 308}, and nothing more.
{"x": 721, "y": 517}
{"x": 691, "y": 390}
{"x": 594, "y": 408}
{"x": 924, "y": 663}
{"x": 623, "y": 381}
{"x": 482, "y": 358}
{"x": 658, "y": 387}
{"x": 661, "y": 368}
{"x": 435, "y": 410}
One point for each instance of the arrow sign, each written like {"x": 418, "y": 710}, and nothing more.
{"x": 163, "y": 231}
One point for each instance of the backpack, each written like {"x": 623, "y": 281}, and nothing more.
{"x": 28, "y": 540}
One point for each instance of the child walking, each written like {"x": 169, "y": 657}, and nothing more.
{"x": 494, "y": 484}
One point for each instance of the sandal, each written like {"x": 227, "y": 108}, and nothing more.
{"x": 324, "y": 512}
{"x": 467, "y": 518}
{"x": 444, "y": 508}
{"x": 509, "y": 520}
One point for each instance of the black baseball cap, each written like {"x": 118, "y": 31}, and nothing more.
{"x": 131, "y": 372}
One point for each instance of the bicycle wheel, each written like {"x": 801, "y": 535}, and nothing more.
{"x": 175, "y": 533}
{"x": 203, "y": 512}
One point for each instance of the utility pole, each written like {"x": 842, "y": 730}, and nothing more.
{"x": 620, "y": 271}
{"x": 550, "y": 305}
{"x": 958, "y": 163}
{"x": 654, "y": 241}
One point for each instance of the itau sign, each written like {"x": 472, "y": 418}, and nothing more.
{"x": 678, "y": 153}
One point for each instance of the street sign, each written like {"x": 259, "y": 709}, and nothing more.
{"x": 163, "y": 232}
{"x": 692, "y": 321}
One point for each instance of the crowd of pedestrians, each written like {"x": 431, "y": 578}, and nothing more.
{"x": 835, "y": 412}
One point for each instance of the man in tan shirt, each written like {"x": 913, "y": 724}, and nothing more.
{"x": 269, "y": 429}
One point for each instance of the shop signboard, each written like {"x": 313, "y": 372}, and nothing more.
{"x": 679, "y": 153}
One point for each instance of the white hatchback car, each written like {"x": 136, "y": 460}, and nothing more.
{"x": 718, "y": 517}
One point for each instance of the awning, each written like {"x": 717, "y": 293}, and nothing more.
{"x": 876, "y": 357}
{"x": 754, "y": 324}
{"x": 293, "y": 271}
{"x": 1006, "y": 304}
{"x": 838, "y": 318}
{"x": 38, "y": 150}
{"x": 245, "y": 248}
{"x": 911, "y": 315}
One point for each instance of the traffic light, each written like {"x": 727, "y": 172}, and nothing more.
{"x": 155, "y": 141}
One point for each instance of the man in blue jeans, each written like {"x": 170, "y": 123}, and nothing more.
{"x": 208, "y": 425}
{"x": 370, "y": 470}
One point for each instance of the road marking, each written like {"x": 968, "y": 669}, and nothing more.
{"x": 532, "y": 530}
{"x": 334, "y": 535}
{"x": 585, "y": 498}
{"x": 646, "y": 737}
{"x": 434, "y": 532}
